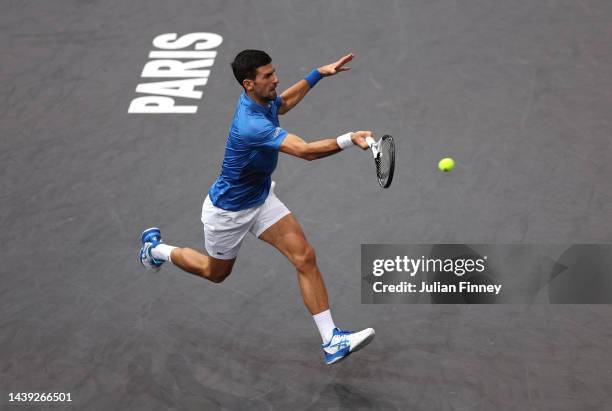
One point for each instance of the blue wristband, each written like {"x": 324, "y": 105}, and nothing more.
{"x": 313, "y": 77}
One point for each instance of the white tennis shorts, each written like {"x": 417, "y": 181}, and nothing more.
{"x": 224, "y": 230}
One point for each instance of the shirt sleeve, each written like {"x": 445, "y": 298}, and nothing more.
{"x": 265, "y": 136}
{"x": 278, "y": 101}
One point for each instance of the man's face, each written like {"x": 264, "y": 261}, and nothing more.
{"x": 264, "y": 85}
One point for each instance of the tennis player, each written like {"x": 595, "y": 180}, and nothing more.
{"x": 242, "y": 198}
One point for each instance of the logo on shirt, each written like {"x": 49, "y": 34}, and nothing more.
{"x": 180, "y": 61}
{"x": 277, "y": 131}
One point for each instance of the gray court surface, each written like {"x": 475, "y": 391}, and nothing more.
{"x": 518, "y": 92}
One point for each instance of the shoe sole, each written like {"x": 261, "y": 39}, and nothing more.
{"x": 361, "y": 344}
{"x": 146, "y": 232}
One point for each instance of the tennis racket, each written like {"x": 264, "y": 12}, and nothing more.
{"x": 384, "y": 159}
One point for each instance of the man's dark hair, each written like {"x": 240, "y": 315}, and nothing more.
{"x": 245, "y": 64}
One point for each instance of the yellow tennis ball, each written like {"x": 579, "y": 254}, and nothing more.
{"x": 446, "y": 164}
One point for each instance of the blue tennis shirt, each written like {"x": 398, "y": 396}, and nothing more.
{"x": 251, "y": 154}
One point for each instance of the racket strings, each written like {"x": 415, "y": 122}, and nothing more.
{"x": 383, "y": 160}
{"x": 380, "y": 167}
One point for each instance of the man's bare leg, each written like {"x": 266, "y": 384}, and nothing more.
{"x": 288, "y": 237}
{"x": 154, "y": 252}
{"x": 194, "y": 262}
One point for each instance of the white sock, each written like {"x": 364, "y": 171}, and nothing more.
{"x": 325, "y": 324}
{"x": 162, "y": 252}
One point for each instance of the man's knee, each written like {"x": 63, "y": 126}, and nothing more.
{"x": 305, "y": 259}
{"x": 217, "y": 273}
{"x": 218, "y": 278}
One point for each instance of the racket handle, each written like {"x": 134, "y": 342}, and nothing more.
{"x": 370, "y": 141}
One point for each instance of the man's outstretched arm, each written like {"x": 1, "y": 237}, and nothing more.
{"x": 296, "y": 146}
{"x": 296, "y": 93}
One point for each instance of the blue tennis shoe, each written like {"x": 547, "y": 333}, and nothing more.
{"x": 149, "y": 239}
{"x": 344, "y": 343}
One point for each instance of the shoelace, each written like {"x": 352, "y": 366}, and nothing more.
{"x": 343, "y": 340}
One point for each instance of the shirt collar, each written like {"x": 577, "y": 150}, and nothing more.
{"x": 253, "y": 105}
